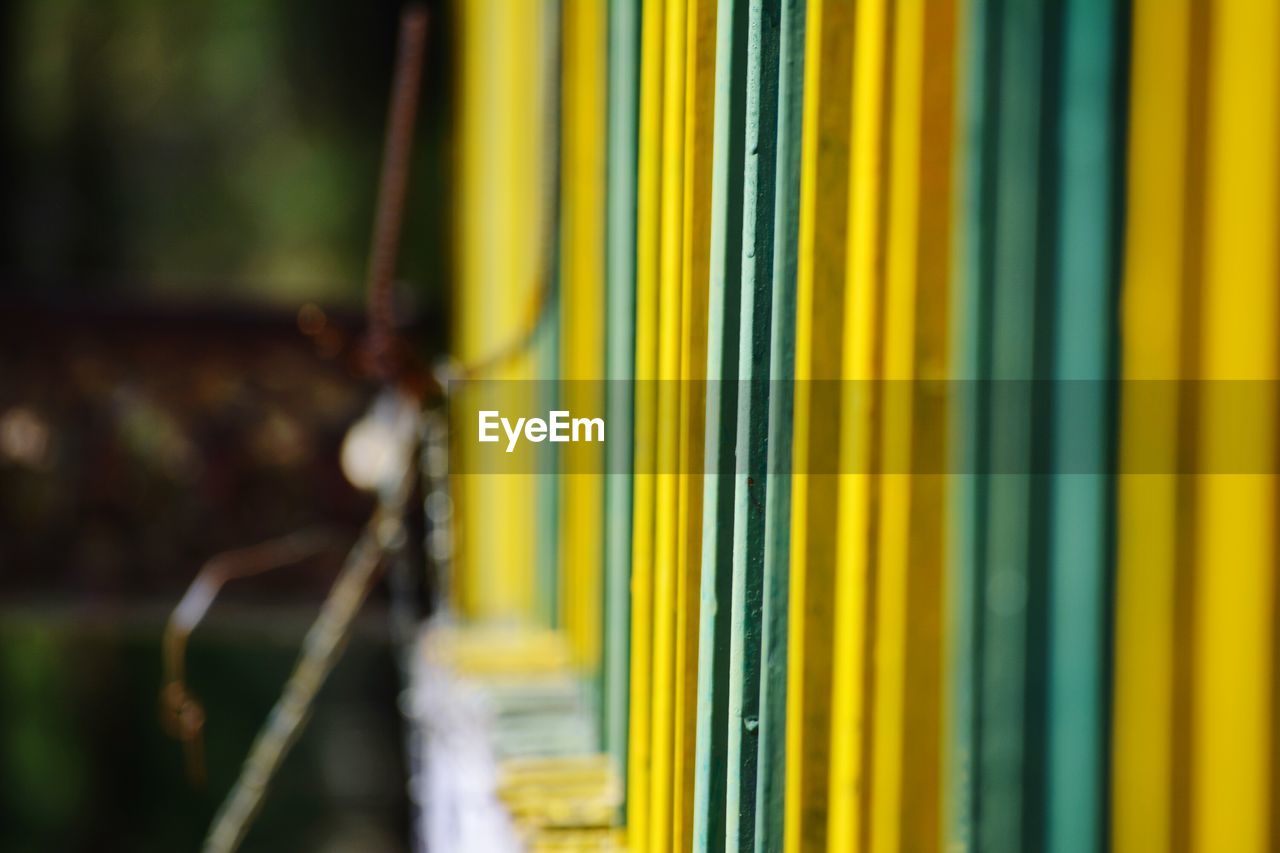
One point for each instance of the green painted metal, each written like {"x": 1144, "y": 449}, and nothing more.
{"x": 620, "y": 272}
{"x": 722, "y": 388}
{"x": 1036, "y": 279}
{"x": 995, "y": 778}
{"x": 1037, "y": 296}
{"x": 971, "y": 336}
{"x": 1081, "y": 504}
{"x": 546, "y": 360}
{"x": 777, "y": 504}
{"x": 546, "y": 357}
{"x": 1011, "y": 697}
{"x": 751, "y": 472}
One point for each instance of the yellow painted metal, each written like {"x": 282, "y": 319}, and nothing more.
{"x": 891, "y": 541}
{"x": 666, "y": 518}
{"x": 887, "y": 634}
{"x": 699, "y": 112}
{"x": 495, "y": 651}
{"x": 578, "y": 841}
{"x": 856, "y": 532}
{"x": 904, "y": 811}
{"x": 502, "y": 202}
{"x": 820, "y": 276}
{"x": 921, "y": 818}
{"x": 648, "y": 221}
{"x": 582, "y": 325}
{"x": 1234, "y": 714}
{"x": 560, "y": 791}
{"x": 527, "y": 674}
{"x": 1155, "y": 350}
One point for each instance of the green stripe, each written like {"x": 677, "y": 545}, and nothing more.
{"x": 722, "y": 369}
{"x": 547, "y": 487}
{"x": 546, "y": 358}
{"x": 620, "y": 271}
{"x": 750, "y": 475}
{"x": 1081, "y": 504}
{"x": 1010, "y": 782}
{"x": 971, "y": 333}
{"x": 770, "y": 788}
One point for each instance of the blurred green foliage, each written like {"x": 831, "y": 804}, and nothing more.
{"x": 224, "y": 149}
{"x": 84, "y": 765}
{"x": 166, "y": 150}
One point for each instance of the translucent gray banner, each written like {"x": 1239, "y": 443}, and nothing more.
{"x": 919, "y": 427}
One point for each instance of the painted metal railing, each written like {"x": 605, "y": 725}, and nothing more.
{"x": 823, "y": 613}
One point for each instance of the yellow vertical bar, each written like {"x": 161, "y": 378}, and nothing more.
{"x": 932, "y": 135}
{"x": 897, "y": 329}
{"x": 476, "y": 153}
{"x": 501, "y": 197}
{"x": 905, "y": 780}
{"x": 582, "y": 328}
{"x": 905, "y": 783}
{"x": 648, "y": 233}
{"x": 699, "y": 112}
{"x": 1236, "y": 556}
{"x": 855, "y": 537}
{"x": 671, "y": 260}
{"x": 1152, "y": 318}
{"x": 820, "y": 276}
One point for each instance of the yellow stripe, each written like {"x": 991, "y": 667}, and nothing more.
{"x": 921, "y": 819}
{"x": 1236, "y": 556}
{"x": 1142, "y": 803}
{"x": 501, "y": 196}
{"x": 896, "y": 330}
{"x": 699, "y": 114}
{"x": 648, "y": 221}
{"x": 820, "y": 277}
{"x": 665, "y": 519}
{"x": 905, "y": 782}
{"x": 855, "y": 537}
{"x": 582, "y": 235}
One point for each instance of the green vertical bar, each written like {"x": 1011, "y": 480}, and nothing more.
{"x": 547, "y": 512}
{"x": 722, "y": 388}
{"x": 1081, "y": 499}
{"x": 972, "y": 335}
{"x": 547, "y": 362}
{"x": 1037, "y": 274}
{"x": 1014, "y": 436}
{"x": 751, "y": 469}
{"x": 1009, "y": 786}
{"x": 620, "y": 305}
{"x": 770, "y": 788}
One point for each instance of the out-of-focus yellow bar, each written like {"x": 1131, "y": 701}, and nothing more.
{"x": 582, "y": 327}
{"x": 666, "y": 520}
{"x": 648, "y": 241}
{"x": 699, "y": 114}
{"x": 502, "y": 202}
{"x": 925, "y": 571}
{"x": 820, "y": 277}
{"x": 1155, "y": 343}
{"x": 855, "y": 533}
{"x": 1234, "y": 715}
{"x": 906, "y": 553}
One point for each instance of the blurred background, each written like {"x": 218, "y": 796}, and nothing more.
{"x": 177, "y": 180}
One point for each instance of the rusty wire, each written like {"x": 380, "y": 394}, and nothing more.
{"x": 392, "y": 190}
{"x": 321, "y": 648}
{"x": 181, "y": 714}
